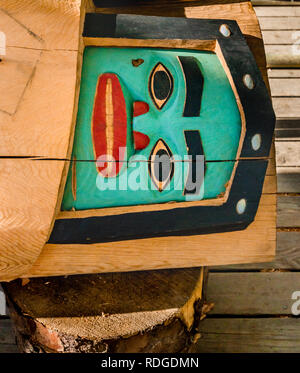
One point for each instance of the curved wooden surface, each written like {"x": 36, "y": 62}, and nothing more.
{"x": 38, "y": 79}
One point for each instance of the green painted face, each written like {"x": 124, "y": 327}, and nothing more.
{"x": 150, "y": 103}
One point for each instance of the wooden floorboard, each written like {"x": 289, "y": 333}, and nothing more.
{"x": 281, "y": 33}
{"x": 288, "y": 153}
{"x": 276, "y": 12}
{"x": 279, "y": 23}
{"x": 7, "y": 338}
{"x": 248, "y": 335}
{"x": 6, "y": 334}
{"x": 288, "y": 211}
{"x": 282, "y": 87}
{"x": 288, "y": 180}
{"x": 284, "y": 73}
{"x": 287, "y": 106}
{"x": 257, "y": 293}
{"x": 287, "y": 256}
{"x": 2, "y": 303}
{"x": 8, "y": 349}
{"x": 285, "y": 37}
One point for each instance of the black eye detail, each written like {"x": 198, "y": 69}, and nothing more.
{"x": 161, "y": 165}
{"x": 160, "y": 85}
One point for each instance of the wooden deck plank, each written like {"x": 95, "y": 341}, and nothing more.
{"x": 282, "y": 51}
{"x": 288, "y": 179}
{"x": 275, "y": 3}
{"x": 8, "y": 349}
{"x": 285, "y": 87}
{"x": 249, "y": 335}
{"x": 287, "y": 107}
{"x": 288, "y": 211}
{"x": 279, "y": 37}
{"x": 7, "y": 336}
{"x": 2, "y": 303}
{"x": 279, "y": 23}
{"x": 284, "y": 73}
{"x": 256, "y": 293}
{"x": 288, "y": 123}
{"x": 287, "y": 153}
{"x": 287, "y": 130}
{"x": 275, "y": 11}
{"x": 287, "y": 256}
{"x": 286, "y": 134}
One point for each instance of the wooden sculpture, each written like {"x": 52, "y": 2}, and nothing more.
{"x": 149, "y": 89}
{"x": 173, "y": 97}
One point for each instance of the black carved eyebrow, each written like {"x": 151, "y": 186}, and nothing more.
{"x": 194, "y": 86}
{"x": 194, "y": 147}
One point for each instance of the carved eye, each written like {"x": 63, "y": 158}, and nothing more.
{"x": 160, "y": 85}
{"x": 161, "y": 166}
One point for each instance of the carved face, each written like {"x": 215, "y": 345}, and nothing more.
{"x": 141, "y": 113}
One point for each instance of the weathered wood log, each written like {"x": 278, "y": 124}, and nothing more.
{"x": 149, "y": 311}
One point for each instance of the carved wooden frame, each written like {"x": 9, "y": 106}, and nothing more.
{"x": 257, "y": 117}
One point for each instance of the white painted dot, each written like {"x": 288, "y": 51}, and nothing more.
{"x": 225, "y": 30}
{"x": 256, "y": 141}
{"x": 248, "y": 81}
{"x": 241, "y": 206}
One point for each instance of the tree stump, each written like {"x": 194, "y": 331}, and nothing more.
{"x": 149, "y": 311}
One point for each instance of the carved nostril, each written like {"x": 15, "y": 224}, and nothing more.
{"x": 141, "y": 141}
{"x": 140, "y": 108}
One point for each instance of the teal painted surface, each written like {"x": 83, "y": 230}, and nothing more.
{"x": 219, "y": 124}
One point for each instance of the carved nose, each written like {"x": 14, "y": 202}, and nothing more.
{"x": 141, "y": 141}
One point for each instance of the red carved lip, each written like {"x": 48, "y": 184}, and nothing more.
{"x": 109, "y": 125}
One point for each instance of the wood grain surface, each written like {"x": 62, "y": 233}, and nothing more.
{"x": 39, "y": 71}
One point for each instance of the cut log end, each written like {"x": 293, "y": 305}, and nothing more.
{"x": 151, "y": 311}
